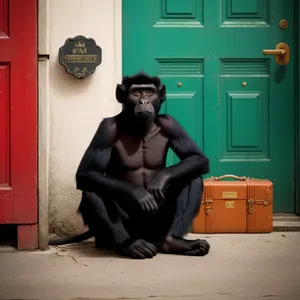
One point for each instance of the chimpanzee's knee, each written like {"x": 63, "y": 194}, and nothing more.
{"x": 105, "y": 218}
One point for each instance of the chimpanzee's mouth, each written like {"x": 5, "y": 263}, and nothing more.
{"x": 144, "y": 113}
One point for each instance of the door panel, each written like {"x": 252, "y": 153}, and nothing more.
{"x": 242, "y": 109}
{"x": 186, "y": 105}
{"x": 18, "y": 115}
{"x": 4, "y": 126}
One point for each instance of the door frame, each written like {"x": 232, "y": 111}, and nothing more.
{"x": 43, "y": 21}
{"x": 297, "y": 104}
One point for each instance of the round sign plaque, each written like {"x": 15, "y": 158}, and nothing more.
{"x": 80, "y": 56}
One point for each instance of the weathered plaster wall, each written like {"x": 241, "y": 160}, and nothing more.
{"x": 77, "y": 106}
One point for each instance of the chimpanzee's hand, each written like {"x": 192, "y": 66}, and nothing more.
{"x": 145, "y": 200}
{"x": 159, "y": 185}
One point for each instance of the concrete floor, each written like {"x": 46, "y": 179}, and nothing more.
{"x": 238, "y": 267}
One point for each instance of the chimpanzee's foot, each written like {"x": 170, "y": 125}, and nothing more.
{"x": 181, "y": 246}
{"x": 139, "y": 249}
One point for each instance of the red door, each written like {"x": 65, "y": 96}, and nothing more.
{"x": 18, "y": 118}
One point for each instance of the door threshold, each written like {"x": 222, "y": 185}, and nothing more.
{"x": 286, "y": 222}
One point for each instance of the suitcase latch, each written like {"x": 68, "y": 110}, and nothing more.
{"x": 251, "y": 204}
{"x": 208, "y": 206}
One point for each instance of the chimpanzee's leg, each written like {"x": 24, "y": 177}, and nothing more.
{"x": 175, "y": 218}
{"x": 113, "y": 227}
{"x": 187, "y": 206}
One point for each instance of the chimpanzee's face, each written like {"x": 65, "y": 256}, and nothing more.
{"x": 144, "y": 100}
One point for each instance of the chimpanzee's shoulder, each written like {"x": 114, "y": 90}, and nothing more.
{"x": 109, "y": 124}
{"x": 108, "y": 130}
{"x": 169, "y": 125}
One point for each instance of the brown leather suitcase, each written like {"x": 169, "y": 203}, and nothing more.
{"x": 244, "y": 205}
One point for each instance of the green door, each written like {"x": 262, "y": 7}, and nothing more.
{"x": 237, "y": 103}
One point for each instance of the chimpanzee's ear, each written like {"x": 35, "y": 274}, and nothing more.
{"x": 121, "y": 93}
{"x": 162, "y": 93}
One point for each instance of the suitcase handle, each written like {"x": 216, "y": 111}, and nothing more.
{"x": 243, "y": 178}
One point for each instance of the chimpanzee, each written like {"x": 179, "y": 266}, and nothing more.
{"x": 131, "y": 201}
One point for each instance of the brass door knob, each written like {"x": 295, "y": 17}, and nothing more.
{"x": 281, "y": 52}
{"x": 179, "y": 84}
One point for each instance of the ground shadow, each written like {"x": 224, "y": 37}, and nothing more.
{"x": 86, "y": 249}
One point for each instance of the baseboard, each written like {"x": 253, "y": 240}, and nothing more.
{"x": 286, "y": 222}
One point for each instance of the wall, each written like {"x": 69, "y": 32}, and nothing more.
{"x": 76, "y": 107}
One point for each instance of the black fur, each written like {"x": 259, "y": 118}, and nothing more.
{"x": 111, "y": 206}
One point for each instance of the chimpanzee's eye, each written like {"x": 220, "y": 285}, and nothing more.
{"x": 136, "y": 93}
{"x": 149, "y": 93}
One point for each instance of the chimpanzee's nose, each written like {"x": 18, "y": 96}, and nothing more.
{"x": 143, "y": 101}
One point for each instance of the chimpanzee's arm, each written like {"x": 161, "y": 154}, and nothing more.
{"x": 90, "y": 175}
{"x": 193, "y": 162}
